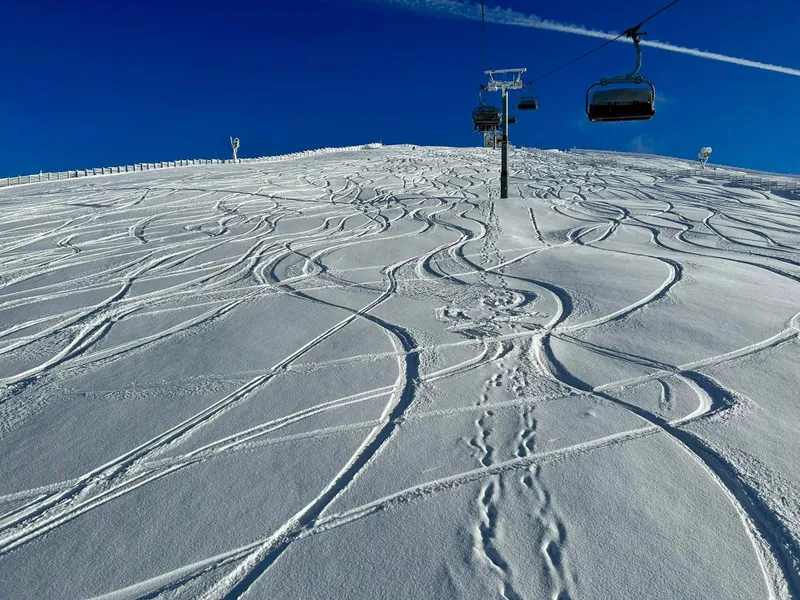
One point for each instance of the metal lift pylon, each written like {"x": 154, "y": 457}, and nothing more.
{"x": 503, "y": 80}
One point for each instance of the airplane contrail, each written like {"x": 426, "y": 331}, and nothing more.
{"x": 507, "y": 16}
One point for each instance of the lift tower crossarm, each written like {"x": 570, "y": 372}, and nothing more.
{"x": 508, "y": 79}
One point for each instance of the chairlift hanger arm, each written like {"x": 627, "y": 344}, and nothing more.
{"x": 604, "y": 44}
{"x": 633, "y": 76}
{"x": 531, "y": 93}
{"x": 483, "y": 31}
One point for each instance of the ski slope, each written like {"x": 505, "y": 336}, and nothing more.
{"x": 363, "y": 375}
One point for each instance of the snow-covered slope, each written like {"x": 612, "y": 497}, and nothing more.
{"x": 364, "y": 375}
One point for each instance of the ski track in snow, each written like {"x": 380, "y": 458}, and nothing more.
{"x": 82, "y": 260}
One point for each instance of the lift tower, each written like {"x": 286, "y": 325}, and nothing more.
{"x": 502, "y": 80}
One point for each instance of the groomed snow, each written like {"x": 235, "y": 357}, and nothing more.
{"x": 364, "y": 375}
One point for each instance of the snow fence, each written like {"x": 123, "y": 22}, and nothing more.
{"x": 41, "y": 177}
{"x": 679, "y": 167}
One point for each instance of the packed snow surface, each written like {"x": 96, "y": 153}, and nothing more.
{"x": 364, "y": 375}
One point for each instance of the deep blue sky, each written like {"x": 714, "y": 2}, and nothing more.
{"x": 89, "y": 84}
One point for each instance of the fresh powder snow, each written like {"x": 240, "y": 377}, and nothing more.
{"x": 364, "y": 375}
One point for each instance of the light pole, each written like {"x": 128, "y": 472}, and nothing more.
{"x": 235, "y": 147}
{"x": 705, "y": 154}
{"x": 502, "y": 80}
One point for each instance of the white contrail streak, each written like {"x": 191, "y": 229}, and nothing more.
{"x": 506, "y": 16}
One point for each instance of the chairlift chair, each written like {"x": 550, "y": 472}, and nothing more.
{"x": 485, "y": 117}
{"x": 623, "y": 104}
{"x": 528, "y": 101}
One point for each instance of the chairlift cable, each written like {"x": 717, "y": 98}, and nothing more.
{"x": 574, "y": 60}
{"x": 658, "y": 12}
{"x": 604, "y": 44}
{"x": 483, "y": 32}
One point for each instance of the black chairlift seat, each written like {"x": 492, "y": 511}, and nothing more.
{"x": 527, "y": 103}
{"x": 512, "y": 119}
{"x": 486, "y": 118}
{"x": 485, "y": 126}
{"x": 622, "y": 104}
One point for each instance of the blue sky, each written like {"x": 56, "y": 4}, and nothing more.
{"x": 91, "y": 84}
